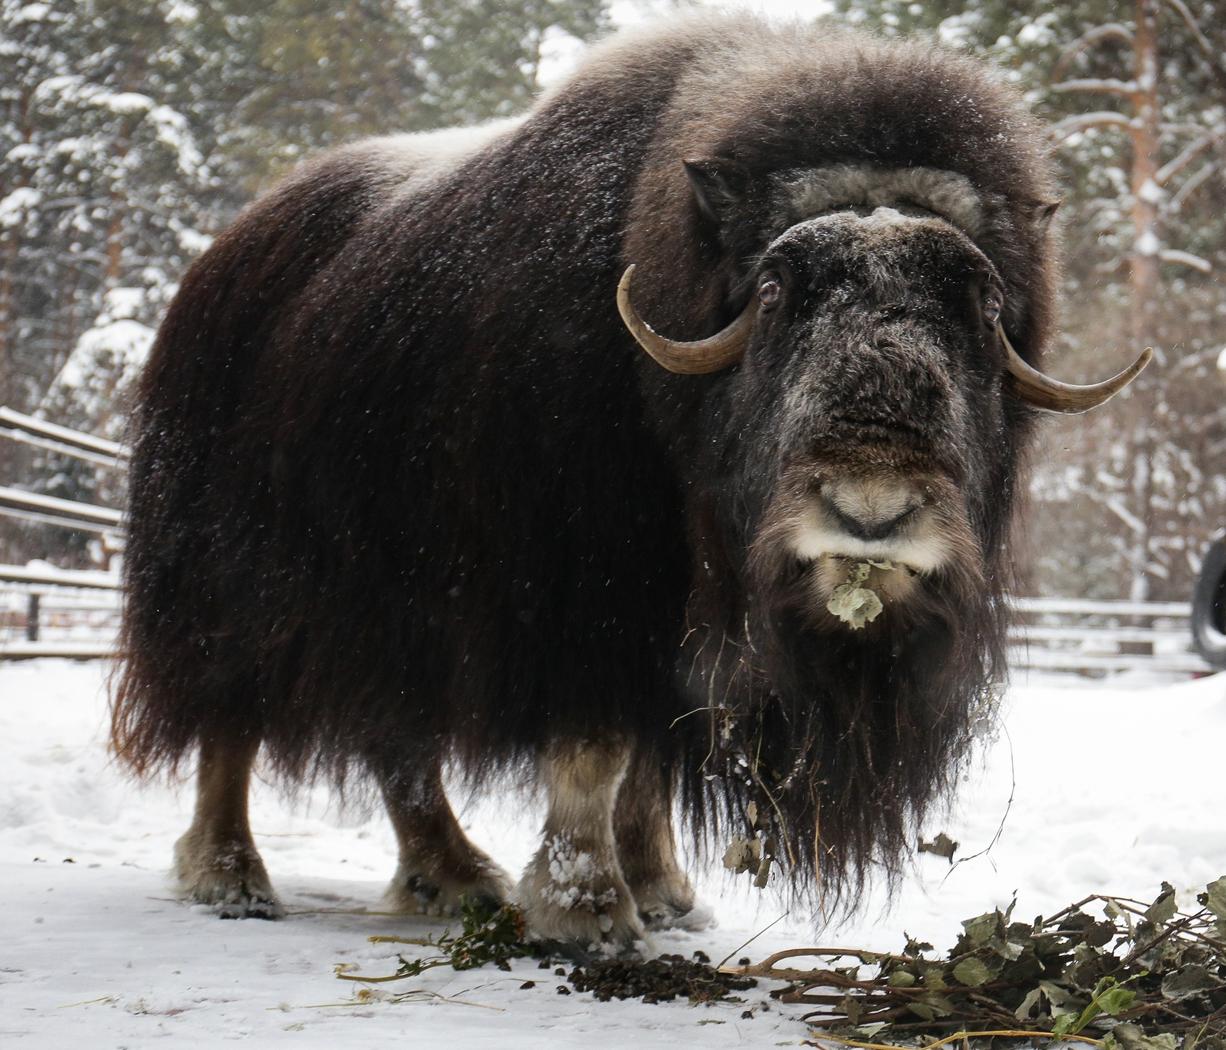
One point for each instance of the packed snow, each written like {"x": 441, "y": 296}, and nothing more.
{"x": 1113, "y": 788}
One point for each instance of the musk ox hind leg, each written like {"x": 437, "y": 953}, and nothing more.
{"x": 647, "y": 849}
{"x": 438, "y": 865}
{"x": 573, "y": 892}
{"x": 216, "y": 861}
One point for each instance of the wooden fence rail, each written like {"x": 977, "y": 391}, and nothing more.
{"x": 1093, "y": 636}
{"x": 29, "y": 430}
{"x": 46, "y": 611}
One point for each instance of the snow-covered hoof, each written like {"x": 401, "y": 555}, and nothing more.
{"x": 575, "y": 901}
{"x": 663, "y": 898}
{"x": 227, "y": 876}
{"x": 417, "y": 894}
{"x": 665, "y": 917}
{"x": 669, "y": 904}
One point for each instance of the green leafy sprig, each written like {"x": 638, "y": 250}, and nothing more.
{"x": 1108, "y": 970}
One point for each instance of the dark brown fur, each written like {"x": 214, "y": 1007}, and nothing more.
{"x": 404, "y": 488}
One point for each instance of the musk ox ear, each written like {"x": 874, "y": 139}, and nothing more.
{"x": 1044, "y": 212}
{"x": 717, "y": 186}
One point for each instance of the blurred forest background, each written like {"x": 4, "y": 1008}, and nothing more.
{"x": 131, "y": 132}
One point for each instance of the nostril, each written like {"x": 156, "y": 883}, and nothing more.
{"x": 866, "y": 528}
{"x": 873, "y": 508}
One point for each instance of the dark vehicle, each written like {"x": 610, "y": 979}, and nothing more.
{"x": 1209, "y": 605}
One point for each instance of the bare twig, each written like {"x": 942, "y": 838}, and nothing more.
{"x": 1004, "y": 817}
{"x": 999, "y": 1034}
{"x": 720, "y": 964}
{"x": 1165, "y": 173}
{"x": 1107, "y": 118}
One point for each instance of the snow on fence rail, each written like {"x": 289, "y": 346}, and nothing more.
{"x": 29, "y": 430}
{"x": 51, "y": 510}
{"x": 45, "y": 611}
{"x": 1097, "y": 637}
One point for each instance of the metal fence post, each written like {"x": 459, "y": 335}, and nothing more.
{"x": 32, "y": 618}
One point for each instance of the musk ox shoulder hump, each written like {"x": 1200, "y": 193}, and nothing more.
{"x": 407, "y": 163}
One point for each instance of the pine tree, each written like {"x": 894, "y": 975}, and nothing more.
{"x": 131, "y": 131}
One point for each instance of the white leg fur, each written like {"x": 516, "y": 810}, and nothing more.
{"x": 573, "y": 891}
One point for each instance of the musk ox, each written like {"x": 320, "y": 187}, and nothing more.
{"x": 407, "y": 494}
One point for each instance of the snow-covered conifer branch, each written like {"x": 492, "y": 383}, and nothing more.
{"x": 1091, "y": 38}
{"x": 1163, "y": 175}
{"x": 1173, "y": 255}
{"x": 1062, "y": 129}
{"x": 1099, "y": 86}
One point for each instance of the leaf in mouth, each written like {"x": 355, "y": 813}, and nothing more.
{"x": 852, "y": 602}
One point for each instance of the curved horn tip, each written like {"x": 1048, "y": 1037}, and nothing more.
{"x": 1051, "y": 395}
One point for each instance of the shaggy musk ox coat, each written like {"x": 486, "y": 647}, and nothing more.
{"x": 404, "y": 489}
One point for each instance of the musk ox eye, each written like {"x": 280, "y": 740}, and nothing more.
{"x": 769, "y": 291}
{"x": 993, "y": 303}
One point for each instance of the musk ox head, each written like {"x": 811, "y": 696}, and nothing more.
{"x": 852, "y": 504}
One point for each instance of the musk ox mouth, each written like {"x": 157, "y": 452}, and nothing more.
{"x": 887, "y": 534}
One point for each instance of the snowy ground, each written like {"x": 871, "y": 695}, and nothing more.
{"x": 94, "y": 952}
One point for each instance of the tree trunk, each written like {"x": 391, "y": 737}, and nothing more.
{"x": 10, "y": 246}
{"x": 1143, "y": 273}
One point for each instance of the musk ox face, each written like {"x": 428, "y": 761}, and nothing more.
{"x": 874, "y": 418}
{"x": 863, "y": 425}
{"x": 868, "y": 409}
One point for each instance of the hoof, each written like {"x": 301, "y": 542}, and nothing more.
{"x": 668, "y": 904}
{"x": 577, "y": 904}
{"x": 417, "y": 894}
{"x": 229, "y": 877}
{"x": 698, "y": 917}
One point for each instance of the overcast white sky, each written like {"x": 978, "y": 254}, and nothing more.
{"x": 559, "y": 54}
{"x": 627, "y": 11}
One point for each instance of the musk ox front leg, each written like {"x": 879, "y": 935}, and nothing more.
{"x": 573, "y": 892}
{"x": 438, "y": 864}
{"x": 647, "y": 850}
{"x": 216, "y": 861}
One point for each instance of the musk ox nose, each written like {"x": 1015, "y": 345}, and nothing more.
{"x": 870, "y": 508}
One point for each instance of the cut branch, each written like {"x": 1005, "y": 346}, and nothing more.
{"x": 1173, "y": 255}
